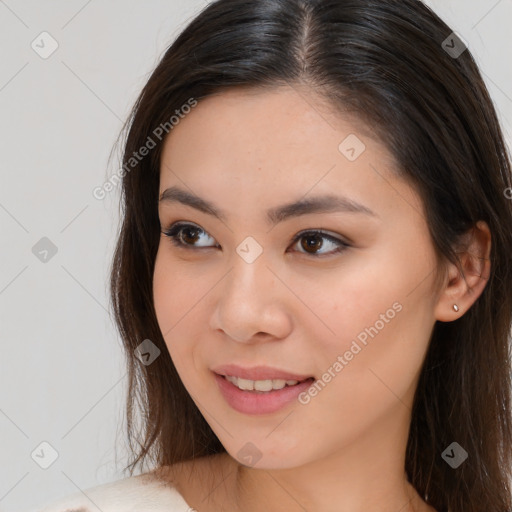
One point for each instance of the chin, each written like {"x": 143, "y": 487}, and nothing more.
{"x": 270, "y": 457}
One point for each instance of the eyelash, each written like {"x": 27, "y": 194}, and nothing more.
{"x": 173, "y": 232}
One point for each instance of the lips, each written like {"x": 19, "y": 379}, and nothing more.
{"x": 258, "y": 373}
{"x": 260, "y": 402}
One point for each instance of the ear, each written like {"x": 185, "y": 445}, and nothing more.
{"x": 463, "y": 290}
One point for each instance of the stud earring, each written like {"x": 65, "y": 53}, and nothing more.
{"x": 455, "y": 307}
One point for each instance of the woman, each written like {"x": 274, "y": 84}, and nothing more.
{"x": 312, "y": 279}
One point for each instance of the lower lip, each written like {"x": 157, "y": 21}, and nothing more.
{"x": 254, "y": 402}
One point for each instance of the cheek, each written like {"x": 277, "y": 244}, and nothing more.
{"x": 173, "y": 301}
{"x": 177, "y": 287}
{"x": 163, "y": 298}
{"x": 178, "y": 290}
{"x": 369, "y": 368}
{"x": 351, "y": 298}
{"x": 379, "y": 312}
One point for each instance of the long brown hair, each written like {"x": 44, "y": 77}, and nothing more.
{"x": 400, "y": 68}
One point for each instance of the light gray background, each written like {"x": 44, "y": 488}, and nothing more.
{"x": 62, "y": 376}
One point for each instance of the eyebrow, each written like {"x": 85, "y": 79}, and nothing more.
{"x": 319, "y": 204}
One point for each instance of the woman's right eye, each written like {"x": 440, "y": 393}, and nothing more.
{"x": 186, "y": 236}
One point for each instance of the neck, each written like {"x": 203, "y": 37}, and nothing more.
{"x": 331, "y": 492}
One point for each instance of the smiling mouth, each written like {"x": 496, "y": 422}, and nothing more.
{"x": 263, "y": 386}
{"x": 264, "y": 399}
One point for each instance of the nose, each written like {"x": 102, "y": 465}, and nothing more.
{"x": 251, "y": 303}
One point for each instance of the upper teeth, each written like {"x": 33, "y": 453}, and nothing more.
{"x": 260, "y": 385}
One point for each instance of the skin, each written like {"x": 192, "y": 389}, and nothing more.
{"x": 247, "y": 151}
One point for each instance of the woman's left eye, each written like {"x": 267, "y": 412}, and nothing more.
{"x": 187, "y": 235}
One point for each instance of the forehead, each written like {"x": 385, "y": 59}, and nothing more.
{"x": 280, "y": 117}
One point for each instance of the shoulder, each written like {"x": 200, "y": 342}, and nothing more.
{"x": 132, "y": 494}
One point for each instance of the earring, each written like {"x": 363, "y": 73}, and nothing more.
{"x": 455, "y": 307}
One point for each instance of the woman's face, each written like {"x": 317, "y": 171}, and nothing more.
{"x": 248, "y": 289}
